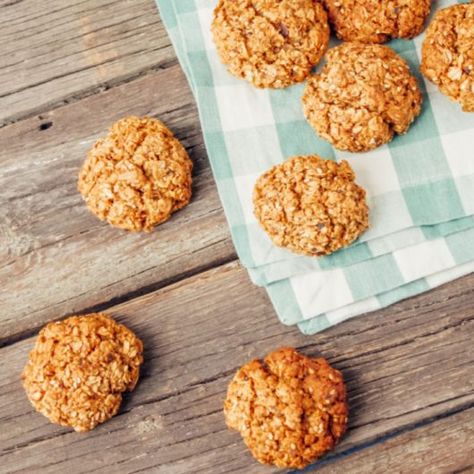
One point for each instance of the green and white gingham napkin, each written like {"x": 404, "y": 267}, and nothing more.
{"x": 420, "y": 186}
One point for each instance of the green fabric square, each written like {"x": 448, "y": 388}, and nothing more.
{"x": 466, "y": 188}
{"x": 209, "y": 110}
{"x": 280, "y": 98}
{"x": 433, "y": 201}
{"x": 373, "y": 277}
{"x": 298, "y": 138}
{"x": 347, "y": 256}
{"x": 240, "y": 238}
{"x": 422, "y": 160}
{"x": 221, "y": 168}
{"x": 203, "y": 74}
{"x": 403, "y": 292}
{"x": 194, "y": 39}
{"x": 402, "y": 46}
{"x": 168, "y": 15}
{"x": 184, "y": 6}
{"x": 461, "y": 246}
{"x": 314, "y": 325}
{"x": 446, "y": 228}
{"x": 283, "y": 298}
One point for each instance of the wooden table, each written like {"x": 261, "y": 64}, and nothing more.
{"x": 68, "y": 69}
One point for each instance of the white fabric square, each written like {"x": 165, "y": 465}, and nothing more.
{"x": 459, "y": 152}
{"x": 441, "y": 278}
{"x": 254, "y": 107}
{"x": 205, "y": 20}
{"x": 374, "y": 170}
{"x": 251, "y": 156}
{"x": 413, "y": 262}
{"x": 388, "y": 213}
{"x": 319, "y": 292}
{"x": 244, "y": 186}
{"x": 347, "y": 312}
{"x": 391, "y": 242}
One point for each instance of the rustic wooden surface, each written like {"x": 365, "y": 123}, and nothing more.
{"x": 69, "y": 69}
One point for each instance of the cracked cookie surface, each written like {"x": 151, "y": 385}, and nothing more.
{"x": 271, "y": 43}
{"x": 79, "y": 367}
{"x": 310, "y": 205}
{"x": 362, "y": 97}
{"x": 289, "y": 409}
{"x": 448, "y": 53}
{"x": 377, "y": 21}
{"x": 136, "y": 176}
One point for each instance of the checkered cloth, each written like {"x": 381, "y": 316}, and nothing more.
{"x": 420, "y": 186}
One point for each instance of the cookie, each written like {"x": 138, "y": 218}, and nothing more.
{"x": 271, "y": 43}
{"x": 78, "y": 369}
{"x": 362, "y": 97}
{"x": 310, "y": 205}
{"x": 377, "y": 21}
{"x": 136, "y": 176}
{"x": 448, "y": 53}
{"x": 289, "y": 409}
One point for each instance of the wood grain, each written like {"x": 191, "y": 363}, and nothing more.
{"x": 404, "y": 365}
{"x": 62, "y": 50}
{"x": 67, "y": 71}
{"x": 56, "y": 258}
{"x": 438, "y": 447}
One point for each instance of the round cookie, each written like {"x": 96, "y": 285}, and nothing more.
{"x": 310, "y": 205}
{"x": 271, "y": 43}
{"x": 363, "y": 95}
{"x": 377, "y": 21}
{"x": 136, "y": 176}
{"x": 448, "y": 53}
{"x": 78, "y": 369}
{"x": 289, "y": 409}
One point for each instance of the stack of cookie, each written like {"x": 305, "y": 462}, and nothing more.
{"x": 345, "y": 168}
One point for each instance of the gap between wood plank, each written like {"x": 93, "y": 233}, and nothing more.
{"x": 105, "y": 86}
{"x": 393, "y": 434}
{"x": 116, "y": 300}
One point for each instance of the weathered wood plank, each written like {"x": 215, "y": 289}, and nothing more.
{"x": 55, "y": 256}
{"x": 443, "y": 446}
{"x": 55, "y": 51}
{"x": 408, "y": 363}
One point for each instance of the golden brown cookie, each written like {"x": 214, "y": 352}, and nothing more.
{"x": 79, "y": 368}
{"x": 377, "y": 21}
{"x": 448, "y": 53}
{"x": 289, "y": 409}
{"x": 271, "y": 43}
{"x": 136, "y": 176}
{"x": 363, "y": 95}
{"x": 310, "y": 205}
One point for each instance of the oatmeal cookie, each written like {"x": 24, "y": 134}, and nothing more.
{"x": 79, "y": 368}
{"x": 363, "y": 95}
{"x": 271, "y": 43}
{"x": 310, "y": 205}
{"x": 136, "y": 176}
{"x": 289, "y": 409}
{"x": 448, "y": 53}
{"x": 377, "y": 21}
